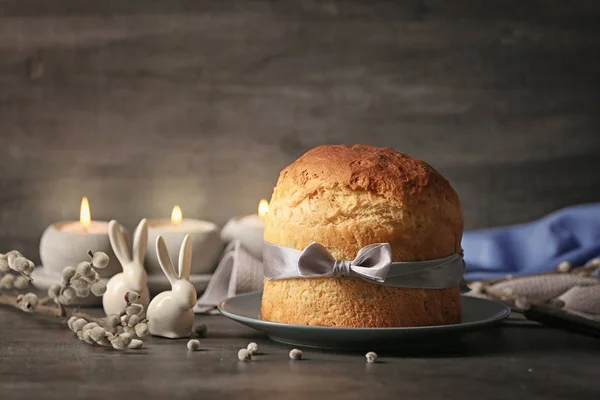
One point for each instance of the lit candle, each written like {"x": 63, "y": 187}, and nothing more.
{"x": 249, "y": 230}
{"x": 66, "y": 244}
{"x": 206, "y": 242}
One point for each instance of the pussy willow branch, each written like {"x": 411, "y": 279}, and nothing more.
{"x": 49, "y": 310}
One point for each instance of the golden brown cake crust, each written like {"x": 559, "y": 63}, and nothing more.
{"x": 347, "y": 197}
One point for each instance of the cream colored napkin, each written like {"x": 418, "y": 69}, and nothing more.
{"x": 238, "y": 272}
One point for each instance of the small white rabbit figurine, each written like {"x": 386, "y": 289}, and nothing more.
{"x": 170, "y": 313}
{"x": 133, "y": 278}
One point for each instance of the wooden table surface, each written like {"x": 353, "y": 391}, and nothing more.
{"x": 41, "y": 359}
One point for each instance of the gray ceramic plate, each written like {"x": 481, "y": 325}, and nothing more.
{"x": 476, "y": 313}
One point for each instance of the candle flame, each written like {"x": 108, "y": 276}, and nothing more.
{"x": 176, "y": 215}
{"x": 84, "y": 213}
{"x": 263, "y": 208}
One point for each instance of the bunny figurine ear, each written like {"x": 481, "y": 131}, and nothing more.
{"x": 165, "y": 260}
{"x": 118, "y": 242}
{"x": 140, "y": 242}
{"x": 185, "y": 258}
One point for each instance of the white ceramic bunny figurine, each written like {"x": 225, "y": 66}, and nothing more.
{"x": 133, "y": 278}
{"x": 170, "y": 313}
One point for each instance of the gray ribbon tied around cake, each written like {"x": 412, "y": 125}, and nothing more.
{"x": 373, "y": 263}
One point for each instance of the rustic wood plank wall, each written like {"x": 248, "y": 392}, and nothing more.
{"x": 144, "y": 104}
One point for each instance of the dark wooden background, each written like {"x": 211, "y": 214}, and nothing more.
{"x": 144, "y": 104}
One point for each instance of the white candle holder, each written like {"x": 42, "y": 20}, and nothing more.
{"x": 206, "y": 249}
{"x": 60, "y": 247}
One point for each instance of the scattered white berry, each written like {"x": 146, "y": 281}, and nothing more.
{"x": 252, "y": 348}
{"x": 6, "y": 282}
{"x": 131, "y": 297}
{"x": 141, "y": 329}
{"x": 100, "y": 260}
{"x": 122, "y": 341}
{"x": 371, "y": 357}
{"x": 193, "y": 345}
{"x": 136, "y": 344}
{"x": 244, "y": 355}
{"x": 295, "y": 354}
{"x": 564, "y": 266}
{"x": 134, "y": 309}
{"x": 78, "y": 324}
{"x": 29, "y": 302}
{"x": 54, "y": 291}
{"x": 67, "y": 274}
{"x": 98, "y": 288}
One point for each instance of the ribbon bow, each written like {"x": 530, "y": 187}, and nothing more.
{"x": 371, "y": 263}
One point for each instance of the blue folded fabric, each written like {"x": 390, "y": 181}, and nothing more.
{"x": 571, "y": 234}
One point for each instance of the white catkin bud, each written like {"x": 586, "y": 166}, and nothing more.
{"x": 29, "y": 302}
{"x": 98, "y": 288}
{"x": 193, "y": 345}
{"x": 4, "y": 267}
{"x": 80, "y": 283}
{"x": 67, "y": 274}
{"x": 129, "y": 330}
{"x": 98, "y": 334}
{"x": 79, "y": 335}
{"x": 19, "y": 264}
{"x": 89, "y": 325}
{"x": 6, "y": 282}
{"x": 131, "y": 297}
{"x": 70, "y": 322}
{"x": 252, "y": 348}
{"x": 564, "y": 266}
{"x": 69, "y": 293}
{"x": 100, "y": 260}
{"x": 82, "y": 292}
{"x": 244, "y": 355}
{"x": 141, "y": 329}
{"x": 63, "y": 300}
{"x": 120, "y": 330}
{"x": 122, "y": 341}
{"x": 78, "y": 324}
{"x": 134, "y": 309}
{"x": 84, "y": 268}
{"x": 295, "y": 354}
{"x": 136, "y": 344}
{"x": 86, "y": 336}
{"x": 112, "y": 320}
{"x": 54, "y": 291}
{"x": 371, "y": 357}
{"x": 133, "y": 321}
{"x": 21, "y": 282}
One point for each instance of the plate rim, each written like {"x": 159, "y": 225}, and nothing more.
{"x": 499, "y": 316}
